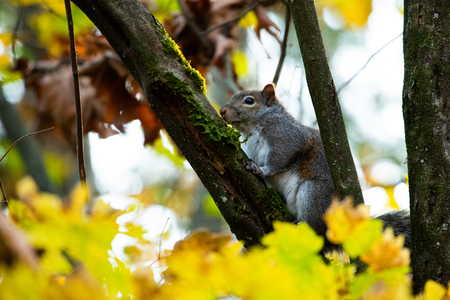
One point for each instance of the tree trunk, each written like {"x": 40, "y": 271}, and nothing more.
{"x": 325, "y": 100}
{"x": 176, "y": 94}
{"x": 426, "y": 111}
{"x": 28, "y": 147}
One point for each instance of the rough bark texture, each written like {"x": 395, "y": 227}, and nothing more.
{"x": 177, "y": 96}
{"x": 426, "y": 111}
{"x": 325, "y": 100}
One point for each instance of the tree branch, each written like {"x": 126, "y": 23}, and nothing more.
{"x": 176, "y": 93}
{"x": 231, "y": 21}
{"x": 325, "y": 100}
{"x": 283, "y": 46}
{"x": 27, "y": 135}
{"x": 76, "y": 88}
{"x": 365, "y": 65}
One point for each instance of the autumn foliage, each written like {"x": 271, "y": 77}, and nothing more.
{"x": 111, "y": 97}
{"x": 64, "y": 252}
{"x": 53, "y": 248}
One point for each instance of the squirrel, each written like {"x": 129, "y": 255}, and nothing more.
{"x": 291, "y": 159}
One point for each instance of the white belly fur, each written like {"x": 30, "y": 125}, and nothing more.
{"x": 294, "y": 189}
{"x": 256, "y": 147}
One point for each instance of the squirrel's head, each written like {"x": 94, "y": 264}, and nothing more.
{"x": 245, "y": 108}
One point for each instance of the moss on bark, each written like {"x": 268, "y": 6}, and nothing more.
{"x": 426, "y": 111}
{"x": 176, "y": 93}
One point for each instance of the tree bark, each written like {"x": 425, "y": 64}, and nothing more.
{"x": 176, "y": 94}
{"x": 325, "y": 100}
{"x": 426, "y": 112}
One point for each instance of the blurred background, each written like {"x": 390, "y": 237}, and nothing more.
{"x": 132, "y": 163}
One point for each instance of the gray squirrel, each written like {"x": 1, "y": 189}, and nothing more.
{"x": 291, "y": 159}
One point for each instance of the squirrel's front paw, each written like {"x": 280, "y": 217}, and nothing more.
{"x": 250, "y": 165}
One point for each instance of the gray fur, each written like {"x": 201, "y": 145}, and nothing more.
{"x": 400, "y": 222}
{"x": 288, "y": 155}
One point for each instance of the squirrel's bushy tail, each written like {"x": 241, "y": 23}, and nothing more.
{"x": 400, "y": 222}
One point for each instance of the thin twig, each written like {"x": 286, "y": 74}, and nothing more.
{"x": 76, "y": 88}
{"x": 248, "y": 9}
{"x": 74, "y": 270}
{"x": 367, "y": 62}
{"x": 27, "y": 135}
{"x": 191, "y": 23}
{"x": 4, "y": 195}
{"x": 16, "y": 141}
{"x": 283, "y": 46}
{"x": 160, "y": 240}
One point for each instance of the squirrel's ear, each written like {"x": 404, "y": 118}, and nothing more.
{"x": 269, "y": 94}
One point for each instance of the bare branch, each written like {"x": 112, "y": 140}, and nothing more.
{"x": 1, "y": 186}
{"x": 283, "y": 46}
{"x": 248, "y": 9}
{"x": 27, "y": 135}
{"x": 76, "y": 88}
{"x": 367, "y": 62}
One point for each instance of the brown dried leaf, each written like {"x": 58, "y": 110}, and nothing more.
{"x": 208, "y": 14}
{"x": 109, "y": 94}
{"x": 264, "y": 22}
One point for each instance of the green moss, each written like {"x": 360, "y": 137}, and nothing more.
{"x": 198, "y": 116}
{"x": 170, "y": 47}
{"x": 271, "y": 201}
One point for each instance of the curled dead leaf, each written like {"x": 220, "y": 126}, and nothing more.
{"x": 110, "y": 96}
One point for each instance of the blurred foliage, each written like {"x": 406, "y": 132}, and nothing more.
{"x": 353, "y": 13}
{"x": 76, "y": 260}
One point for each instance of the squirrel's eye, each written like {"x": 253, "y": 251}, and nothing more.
{"x": 249, "y": 100}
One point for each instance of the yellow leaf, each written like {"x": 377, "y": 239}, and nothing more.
{"x": 383, "y": 291}
{"x": 202, "y": 241}
{"x": 390, "y": 193}
{"x": 362, "y": 238}
{"x": 26, "y": 189}
{"x": 52, "y": 260}
{"x": 433, "y": 291}
{"x": 300, "y": 239}
{"x": 387, "y": 253}
{"x": 101, "y": 209}
{"x": 354, "y": 12}
{"x": 5, "y": 60}
{"x": 249, "y": 20}
{"x": 47, "y": 206}
{"x": 79, "y": 197}
{"x": 6, "y": 38}
{"x": 240, "y": 63}
{"x": 351, "y": 226}
{"x": 342, "y": 219}
{"x": 135, "y": 231}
